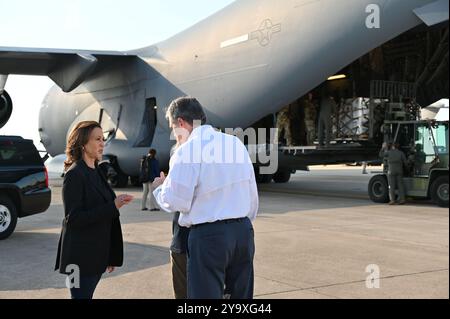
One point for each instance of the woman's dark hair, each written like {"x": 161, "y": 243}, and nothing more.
{"x": 77, "y": 139}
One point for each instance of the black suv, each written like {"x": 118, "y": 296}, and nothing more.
{"x": 24, "y": 187}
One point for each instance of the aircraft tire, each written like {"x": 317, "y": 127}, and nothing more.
{"x": 282, "y": 176}
{"x": 134, "y": 180}
{"x": 115, "y": 177}
{"x": 120, "y": 180}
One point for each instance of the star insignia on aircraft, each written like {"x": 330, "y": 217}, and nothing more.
{"x": 265, "y": 32}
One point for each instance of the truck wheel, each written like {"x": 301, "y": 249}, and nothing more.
{"x": 282, "y": 176}
{"x": 379, "y": 189}
{"x": 8, "y": 217}
{"x": 439, "y": 191}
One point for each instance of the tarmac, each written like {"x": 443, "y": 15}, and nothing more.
{"x": 317, "y": 237}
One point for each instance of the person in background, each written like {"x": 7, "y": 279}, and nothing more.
{"x": 149, "y": 171}
{"x": 310, "y": 119}
{"x": 283, "y": 125}
{"x": 328, "y": 108}
{"x": 419, "y": 159}
{"x": 396, "y": 163}
{"x": 178, "y": 257}
{"x": 178, "y": 253}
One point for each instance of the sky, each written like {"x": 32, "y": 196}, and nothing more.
{"x": 84, "y": 24}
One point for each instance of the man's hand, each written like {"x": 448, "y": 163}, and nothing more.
{"x": 159, "y": 180}
{"x": 110, "y": 269}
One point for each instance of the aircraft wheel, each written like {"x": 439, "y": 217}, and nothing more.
{"x": 262, "y": 178}
{"x": 116, "y": 178}
{"x": 119, "y": 181}
{"x": 134, "y": 180}
{"x": 282, "y": 176}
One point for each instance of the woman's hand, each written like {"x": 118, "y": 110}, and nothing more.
{"x": 110, "y": 269}
{"x": 123, "y": 199}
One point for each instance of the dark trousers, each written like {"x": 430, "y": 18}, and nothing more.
{"x": 396, "y": 181}
{"x": 324, "y": 129}
{"x": 220, "y": 255}
{"x": 87, "y": 287}
{"x": 179, "y": 264}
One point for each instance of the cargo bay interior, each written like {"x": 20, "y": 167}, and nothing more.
{"x": 391, "y": 82}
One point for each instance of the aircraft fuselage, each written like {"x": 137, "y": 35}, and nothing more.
{"x": 244, "y": 62}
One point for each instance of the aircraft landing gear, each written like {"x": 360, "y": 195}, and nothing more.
{"x": 134, "y": 180}
{"x": 282, "y": 176}
{"x": 116, "y": 178}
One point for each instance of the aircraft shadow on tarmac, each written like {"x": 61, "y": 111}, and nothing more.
{"x": 54, "y": 216}
{"x": 30, "y": 260}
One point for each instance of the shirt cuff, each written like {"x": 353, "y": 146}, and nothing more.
{"x": 156, "y": 193}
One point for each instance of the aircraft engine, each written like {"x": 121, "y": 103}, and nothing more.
{"x": 6, "y": 107}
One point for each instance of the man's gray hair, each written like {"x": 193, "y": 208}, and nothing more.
{"x": 187, "y": 108}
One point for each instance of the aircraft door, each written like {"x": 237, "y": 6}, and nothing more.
{"x": 148, "y": 124}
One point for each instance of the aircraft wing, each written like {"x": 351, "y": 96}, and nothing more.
{"x": 67, "y": 68}
{"x": 433, "y": 13}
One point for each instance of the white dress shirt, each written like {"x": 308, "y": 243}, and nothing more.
{"x": 210, "y": 178}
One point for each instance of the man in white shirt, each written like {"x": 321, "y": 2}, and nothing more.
{"x": 211, "y": 182}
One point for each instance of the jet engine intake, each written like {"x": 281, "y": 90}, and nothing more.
{"x": 6, "y": 107}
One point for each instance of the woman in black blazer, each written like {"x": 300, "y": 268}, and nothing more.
{"x": 91, "y": 237}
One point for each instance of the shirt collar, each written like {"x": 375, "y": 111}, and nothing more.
{"x": 197, "y": 132}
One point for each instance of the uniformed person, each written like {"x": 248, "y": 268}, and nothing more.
{"x": 310, "y": 119}
{"x": 328, "y": 107}
{"x": 396, "y": 161}
{"x": 284, "y": 125}
{"x": 383, "y": 155}
{"x": 419, "y": 159}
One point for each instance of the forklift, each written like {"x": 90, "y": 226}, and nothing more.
{"x": 425, "y": 144}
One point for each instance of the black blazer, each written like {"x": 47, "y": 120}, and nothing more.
{"x": 91, "y": 235}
